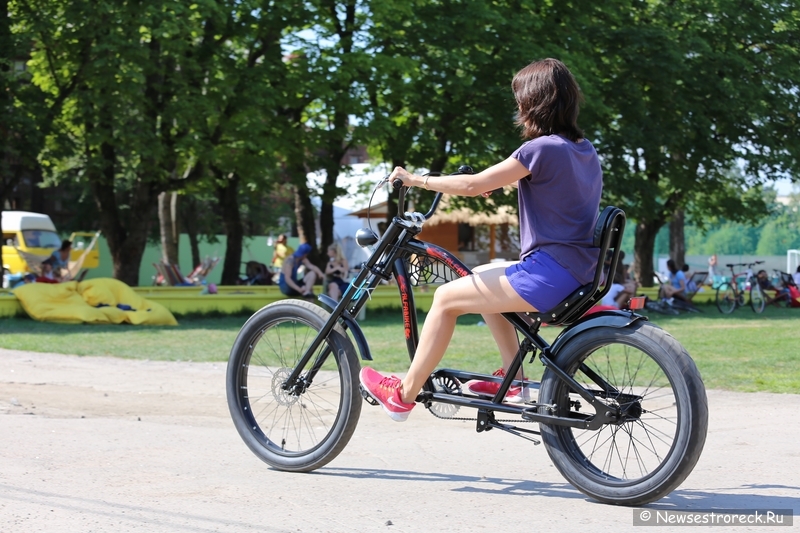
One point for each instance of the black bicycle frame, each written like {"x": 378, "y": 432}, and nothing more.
{"x": 388, "y": 258}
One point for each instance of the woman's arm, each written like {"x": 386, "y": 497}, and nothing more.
{"x": 504, "y": 173}
{"x": 313, "y": 267}
{"x": 330, "y": 267}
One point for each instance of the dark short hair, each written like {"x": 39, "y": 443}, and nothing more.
{"x": 549, "y": 99}
{"x": 65, "y": 244}
{"x": 672, "y": 266}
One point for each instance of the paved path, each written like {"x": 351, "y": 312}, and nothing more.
{"x": 101, "y": 444}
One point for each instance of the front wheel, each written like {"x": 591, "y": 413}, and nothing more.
{"x": 726, "y": 298}
{"x": 305, "y": 425}
{"x": 645, "y": 374}
{"x": 757, "y": 301}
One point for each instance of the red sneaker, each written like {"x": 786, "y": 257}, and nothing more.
{"x": 386, "y": 390}
{"x": 490, "y": 388}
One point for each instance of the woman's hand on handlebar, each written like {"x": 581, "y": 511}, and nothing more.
{"x": 403, "y": 175}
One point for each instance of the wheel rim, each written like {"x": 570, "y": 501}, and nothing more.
{"x": 636, "y": 449}
{"x": 756, "y": 300}
{"x": 289, "y": 423}
{"x": 726, "y": 299}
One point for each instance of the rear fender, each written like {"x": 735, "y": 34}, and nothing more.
{"x": 601, "y": 319}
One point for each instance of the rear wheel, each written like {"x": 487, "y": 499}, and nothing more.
{"x": 646, "y": 375}
{"x": 757, "y": 300}
{"x": 307, "y": 424}
{"x": 726, "y": 298}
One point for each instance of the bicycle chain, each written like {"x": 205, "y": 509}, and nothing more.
{"x": 467, "y": 419}
{"x": 453, "y": 386}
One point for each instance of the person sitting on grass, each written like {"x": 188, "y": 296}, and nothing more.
{"x": 676, "y": 286}
{"x": 336, "y": 270}
{"x": 691, "y": 286}
{"x": 60, "y": 258}
{"x": 623, "y": 287}
{"x": 781, "y": 294}
{"x": 47, "y": 274}
{"x": 288, "y": 281}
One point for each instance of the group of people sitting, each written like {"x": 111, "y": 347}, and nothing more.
{"x": 54, "y": 269}
{"x": 296, "y": 284}
{"x": 624, "y": 286}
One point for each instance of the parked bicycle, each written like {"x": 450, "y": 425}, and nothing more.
{"x": 730, "y": 294}
{"x": 621, "y": 407}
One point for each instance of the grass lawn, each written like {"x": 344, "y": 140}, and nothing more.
{"x": 742, "y": 351}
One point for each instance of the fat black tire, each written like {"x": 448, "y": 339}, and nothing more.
{"x": 292, "y": 432}
{"x": 726, "y": 298}
{"x": 660, "y": 447}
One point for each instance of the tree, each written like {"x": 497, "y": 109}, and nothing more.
{"x": 689, "y": 89}
{"x": 121, "y": 108}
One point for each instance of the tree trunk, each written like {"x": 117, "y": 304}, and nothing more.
{"x": 304, "y": 211}
{"x": 677, "y": 240}
{"x": 643, "y": 252}
{"x": 168, "y": 221}
{"x": 326, "y": 221}
{"x": 126, "y": 238}
{"x": 188, "y": 216}
{"x": 126, "y": 244}
{"x": 227, "y": 194}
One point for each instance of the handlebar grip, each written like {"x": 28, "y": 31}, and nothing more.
{"x": 397, "y": 184}
{"x": 498, "y": 190}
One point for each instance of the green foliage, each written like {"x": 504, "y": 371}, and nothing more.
{"x": 233, "y": 102}
{"x": 688, "y": 89}
{"x": 773, "y": 234}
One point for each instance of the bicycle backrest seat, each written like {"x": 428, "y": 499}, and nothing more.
{"x": 607, "y": 237}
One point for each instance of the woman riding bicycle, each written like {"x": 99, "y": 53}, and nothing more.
{"x": 560, "y": 181}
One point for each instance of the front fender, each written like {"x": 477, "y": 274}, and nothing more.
{"x": 613, "y": 319}
{"x": 349, "y": 324}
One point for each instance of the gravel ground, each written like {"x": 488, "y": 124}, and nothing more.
{"x": 103, "y": 444}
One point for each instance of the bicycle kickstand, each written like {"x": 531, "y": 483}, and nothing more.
{"x": 486, "y": 422}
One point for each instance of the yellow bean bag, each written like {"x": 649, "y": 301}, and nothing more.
{"x": 95, "y": 301}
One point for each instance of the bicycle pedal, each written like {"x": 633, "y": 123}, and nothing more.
{"x": 367, "y": 398}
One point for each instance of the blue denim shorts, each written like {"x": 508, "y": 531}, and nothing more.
{"x": 287, "y": 290}
{"x": 541, "y": 281}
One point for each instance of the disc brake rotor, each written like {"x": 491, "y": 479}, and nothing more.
{"x": 283, "y": 397}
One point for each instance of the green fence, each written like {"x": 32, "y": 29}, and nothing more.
{"x": 254, "y": 248}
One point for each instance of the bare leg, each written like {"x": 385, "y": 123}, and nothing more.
{"x": 503, "y": 332}
{"x": 485, "y": 292}
{"x": 668, "y": 291}
{"x": 308, "y": 282}
{"x": 333, "y": 291}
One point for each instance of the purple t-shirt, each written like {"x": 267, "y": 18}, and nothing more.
{"x": 559, "y": 202}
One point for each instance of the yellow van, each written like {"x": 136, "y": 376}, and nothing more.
{"x": 32, "y": 238}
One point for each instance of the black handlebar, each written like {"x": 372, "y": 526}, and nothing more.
{"x": 397, "y": 185}
{"x": 731, "y": 265}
